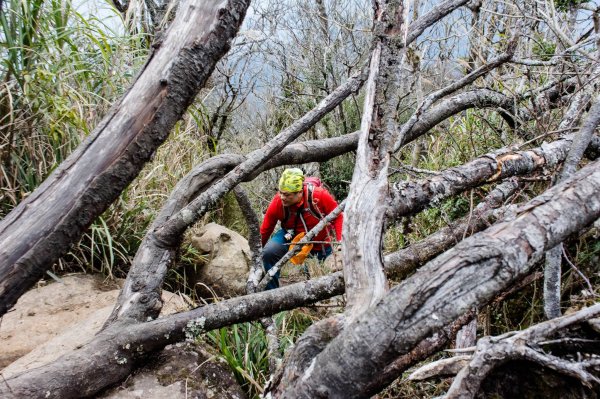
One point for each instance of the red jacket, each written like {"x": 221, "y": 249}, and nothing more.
{"x": 322, "y": 200}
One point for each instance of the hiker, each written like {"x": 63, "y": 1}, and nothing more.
{"x": 299, "y": 205}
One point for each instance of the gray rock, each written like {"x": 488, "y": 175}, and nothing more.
{"x": 228, "y": 264}
{"x": 180, "y": 371}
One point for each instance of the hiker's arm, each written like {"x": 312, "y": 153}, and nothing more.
{"x": 272, "y": 215}
{"x": 337, "y": 225}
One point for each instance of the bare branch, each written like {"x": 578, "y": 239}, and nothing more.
{"x": 412, "y": 196}
{"x": 468, "y": 275}
{"x": 494, "y": 351}
{"x": 401, "y": 263}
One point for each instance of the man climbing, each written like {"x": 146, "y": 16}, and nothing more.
{"x": 299, "y": 207}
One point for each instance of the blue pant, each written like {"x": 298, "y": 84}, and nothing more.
{"x": 276, "y": 248}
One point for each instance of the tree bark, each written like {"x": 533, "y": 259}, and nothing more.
{"x": 43, "y": 226}
{"x": 552, "y": 269}
{"x": 466, "y": 276}
{"x": 402, "y": 263}
{"x": 410, "y": 197}
{"x": 363, "y": 223}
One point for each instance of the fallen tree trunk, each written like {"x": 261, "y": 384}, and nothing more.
{"x": 58, "y": 212}
{"x": 113, "y": 353}
{"x": 466, "y": 276}
{"x": 402, "y": 263}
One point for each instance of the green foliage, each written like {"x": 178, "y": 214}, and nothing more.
{"x": 337, "y": 175}
{"x": 544, "y": 50}
{"x": 566, "y": 5}
{"x": 98, "y": 252}
{"x": 60, "y": 71}
{"x": 244, "y": 347}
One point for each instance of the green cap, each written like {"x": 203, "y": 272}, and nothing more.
{"x": 291, "y": 180}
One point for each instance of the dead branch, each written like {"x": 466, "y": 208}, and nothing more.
{"x": 468, "y": 275}
{"x": 402, "y": 263}
{"x": 409, "y": 197}
{"x": 525, "y": 345}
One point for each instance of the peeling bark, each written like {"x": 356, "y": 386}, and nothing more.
{"x": 363, "y": 223}
{"x": 410, "y": 197}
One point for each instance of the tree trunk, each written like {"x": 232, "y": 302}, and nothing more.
{"x": 363, "y": 223}
{"x": 468, "y": 275}
{"x": 42, "y": 227}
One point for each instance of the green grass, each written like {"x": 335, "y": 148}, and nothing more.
{"x": 244, "y": 347}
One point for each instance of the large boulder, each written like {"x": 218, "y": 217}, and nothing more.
{"x": 57, "y": 317}
{"x": 226, "y": 270}
{"x": 49, "y": 309}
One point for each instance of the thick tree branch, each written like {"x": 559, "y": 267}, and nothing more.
{"x": 110, "y": 158}
{"x": 402, "y": 263}
{"x": 410, "y": 197}
{"x": 468, "y": 275}
{"x": 581, "y": 141}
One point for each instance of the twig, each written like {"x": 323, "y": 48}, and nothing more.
{"x": 583, "y": 276}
